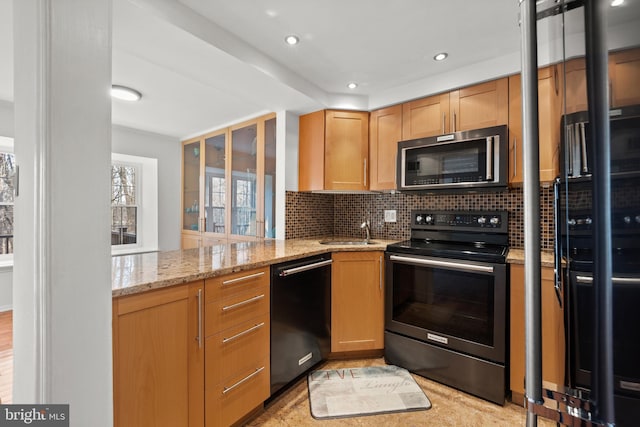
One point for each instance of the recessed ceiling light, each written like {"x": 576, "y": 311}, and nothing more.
{"x": 615, "y": 3}
{"x": 292, "y": 39}
{"x": 352, "y": 85}
{"x": 441, "y": 56}
{"x": 125, "y": 93}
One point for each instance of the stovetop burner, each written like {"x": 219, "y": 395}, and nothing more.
{"x": 470, "y": 235}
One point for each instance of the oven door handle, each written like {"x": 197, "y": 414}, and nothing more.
{"x": 615, "y": 280}
{"x": 446, "y": 264}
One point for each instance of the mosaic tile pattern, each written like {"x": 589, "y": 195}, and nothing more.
{"x": 308, "y": 215}
{"x": 350, "y": 210}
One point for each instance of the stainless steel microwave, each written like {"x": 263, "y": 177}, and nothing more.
{"x": 471, "y": 160}
{"x": 577, "y": 150}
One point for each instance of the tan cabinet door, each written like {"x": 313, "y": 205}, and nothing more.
{"x": 480, "y": 106}
{"x": 158, "y": 362}
{"x": 426, "y": 117}
{"x": 553, "y": 340}
{"x": 549, "y": 117}
{"x": 357, "y": 301}
{"x": 385, "y": 130}
{"x": 624, "y": 74}
{"x": 346, "y": 150}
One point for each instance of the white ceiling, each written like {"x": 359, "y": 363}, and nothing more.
{"x": 204, "y": 64}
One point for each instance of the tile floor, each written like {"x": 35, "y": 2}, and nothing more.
{"x": 450, "y": 407}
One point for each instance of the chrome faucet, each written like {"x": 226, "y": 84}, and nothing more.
{"x": 366, "y": 227}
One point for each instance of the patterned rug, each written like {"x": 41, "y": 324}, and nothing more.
{"x": 355, "y": 392}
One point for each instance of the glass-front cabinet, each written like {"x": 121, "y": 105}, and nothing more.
{"x": 228, "y": 184}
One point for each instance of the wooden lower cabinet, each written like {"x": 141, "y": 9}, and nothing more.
{"x": 553, "y": 338}
{"x": 158, "y": 363}
{"x": 237, "y": 330}
{"x": 357, "y": 301}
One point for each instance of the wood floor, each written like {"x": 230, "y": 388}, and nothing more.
{"x": 6, "y": 356}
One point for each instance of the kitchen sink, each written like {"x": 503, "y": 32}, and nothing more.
{"x": 347, "y": 242}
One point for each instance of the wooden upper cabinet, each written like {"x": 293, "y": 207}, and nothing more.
{"x": 549, "y": 117}
{"x": 346, "y": 150}
{"x": 334, "y": 150}
{"x": 479, "y": 106}
{"x": 624, "y": 75}
{"x": 575, "y": 85}
{"x": 426, "y": 117}
{"x": 311, "y": 152}
{"x": 385, "y": 130}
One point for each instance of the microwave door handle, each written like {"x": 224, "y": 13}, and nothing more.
{"x": 583, "y": 149}
{"x": 489, "y": 158}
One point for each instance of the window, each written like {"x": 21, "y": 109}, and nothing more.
{"x": 134, "y": 204}
{"x": 7, "y": 170}
{"x": 124, "y": 209}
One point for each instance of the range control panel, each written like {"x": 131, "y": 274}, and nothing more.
{"x": 476, "y": 220}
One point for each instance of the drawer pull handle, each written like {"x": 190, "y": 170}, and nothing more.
{"x": 241, "y": 303}
{"x": 238, "y": 335}
{"x": 243, "y": 278}
{"x": 248, "y": 377}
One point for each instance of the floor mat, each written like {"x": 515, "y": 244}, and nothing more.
{"x": 339, "y": 393}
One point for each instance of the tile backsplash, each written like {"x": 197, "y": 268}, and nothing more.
{"x": 321, "y": 214}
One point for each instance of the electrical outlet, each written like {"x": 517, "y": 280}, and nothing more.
{"x": 389, "y": 215}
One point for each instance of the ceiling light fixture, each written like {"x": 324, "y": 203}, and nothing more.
{"x": 615, "y": 3}
{"x": 125, "y": 93}
{"x": 352, "y": 85}
{"x": 441, "y": 56}
{"x": 292, "y": 40}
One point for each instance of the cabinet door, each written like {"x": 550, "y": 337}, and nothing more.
{"x": 311, "y": 151}
{"x": 549, "y": 117}
{"x": 553, "y": 344}
{"x": 346, "y": 150}
{"x": 158, "y": 359}
{"x": 624, "y": 74}
{"x": 385, "y": 130}
{"x": 357, "y": 301}
{"x": 480, "y": 106}
{"x": 215, "y": 183}
{"x": 191, "y": 185}
{"x": 426, "y": 117}
{"x": 575, "y": 85}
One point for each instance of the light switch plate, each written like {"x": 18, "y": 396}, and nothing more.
{"x": 389, "y": 215}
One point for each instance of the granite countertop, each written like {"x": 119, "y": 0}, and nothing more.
{"x": 516, "y": 256}
{"x": 131, "y": 274}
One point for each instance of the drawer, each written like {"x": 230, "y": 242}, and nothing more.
{"x": 233, "y": 310}
{"x": 236, "y": 350}
{"x": 228, "y": 402}
{"x": 230, "y": 284}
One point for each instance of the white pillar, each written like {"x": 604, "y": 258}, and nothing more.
{"x": 286, "y": 164}
{"x": 62, "y": 263}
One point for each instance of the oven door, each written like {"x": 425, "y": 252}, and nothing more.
{"x": 459, "y": 305}
{"x": 626, "y": 338}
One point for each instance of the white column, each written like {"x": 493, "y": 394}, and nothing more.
{"x": 62, "y": 263}
{"x": 286, "y": 164}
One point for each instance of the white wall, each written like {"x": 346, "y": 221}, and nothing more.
{"x": 136, "y": 143}
{"x": 167, "y": 151}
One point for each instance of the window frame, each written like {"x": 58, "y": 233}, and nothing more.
{"x": 147, "y": 202}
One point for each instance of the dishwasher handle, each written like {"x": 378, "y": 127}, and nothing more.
{"x": 307, "y": 267}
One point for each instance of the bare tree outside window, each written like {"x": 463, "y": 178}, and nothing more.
{"x": 7, "y": 169}
{"x": 123, "y": 204}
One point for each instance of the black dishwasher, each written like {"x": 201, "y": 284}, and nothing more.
{"x": 300, "y": 317}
